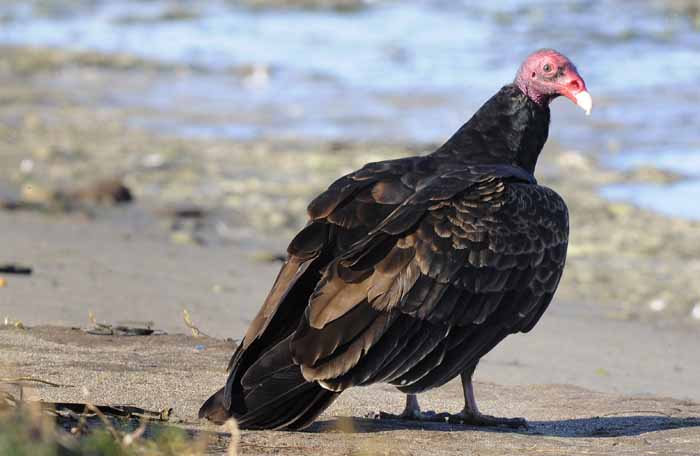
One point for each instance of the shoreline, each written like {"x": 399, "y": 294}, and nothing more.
{"x": 215, "y": 193}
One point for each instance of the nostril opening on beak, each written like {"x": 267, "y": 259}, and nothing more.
{"x": 575, "y": 86}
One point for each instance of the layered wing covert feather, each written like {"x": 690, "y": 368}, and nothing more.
{"x": 404, "y": 250}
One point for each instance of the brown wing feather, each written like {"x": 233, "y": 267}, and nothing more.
{"x": 406, "y": 239}
{"x": 462, "y": 256}
{"x": 309, "y": 255}
{"x": 332, "y": 215}
{"x": 287, "y": 278}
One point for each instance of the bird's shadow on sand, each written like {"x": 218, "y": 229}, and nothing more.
{"x": 607, "y": 426}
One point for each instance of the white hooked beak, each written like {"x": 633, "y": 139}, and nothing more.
{"x": 584, "y": 101}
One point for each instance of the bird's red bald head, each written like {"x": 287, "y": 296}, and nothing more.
{"x": 546, "y": 74}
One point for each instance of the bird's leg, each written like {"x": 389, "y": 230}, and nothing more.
{"x": 471, "y": 415}
{"x": 411, "y": 412}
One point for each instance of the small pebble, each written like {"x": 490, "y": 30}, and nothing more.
{"x": 695, "y": 313}
{"x": 153, "y": 161}
{"x": 26, "y": 166}
{"x": 657, "y": 305}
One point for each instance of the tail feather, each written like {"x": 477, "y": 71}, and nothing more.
{"x": 293, "y": 409}
{"x": 214, "y": 409}
{"x": 271, "y": 393}
{"x": 317, "y": 404}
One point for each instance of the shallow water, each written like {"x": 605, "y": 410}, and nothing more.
{"x": 403, "y": 71}
{"x": 679, "y": 199}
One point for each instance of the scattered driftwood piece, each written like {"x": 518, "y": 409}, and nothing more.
{"x": 12, "y": 268}
{"x": 105, "y": 192}
{"x": 122, "y": 328}
{"x": 132, "y": 331}
{"x": 86, "y": 409}
{"x": 19, "y": 380}
{"x": 121, "y": 411}
{"x": 102, "y": 329}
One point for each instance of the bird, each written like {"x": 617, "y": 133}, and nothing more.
{"x": 410, "y": 270}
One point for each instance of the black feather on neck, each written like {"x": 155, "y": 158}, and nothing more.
{"x": 508, "y": 129}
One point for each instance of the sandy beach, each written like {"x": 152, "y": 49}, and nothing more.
{"x": 611, "y": 368}
{"x": 178, "y": 371}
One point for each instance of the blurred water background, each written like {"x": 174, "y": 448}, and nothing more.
{"x": 406, "y": 72}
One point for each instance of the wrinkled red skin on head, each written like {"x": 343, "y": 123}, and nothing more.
{"x": 543, "y": 86}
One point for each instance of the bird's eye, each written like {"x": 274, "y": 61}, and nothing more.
{"x": 547, "y": 67}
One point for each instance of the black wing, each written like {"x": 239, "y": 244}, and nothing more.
{"x": 469, "y": 257}
{"x": 343, "y": 214}
{"x": 408, "y": 250}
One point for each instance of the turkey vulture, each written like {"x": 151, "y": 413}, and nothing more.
{"x": 410, "y": 270}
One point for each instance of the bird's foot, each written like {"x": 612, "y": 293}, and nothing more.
{"x": 469, "y": 418}
{"x": 409, "y": 415}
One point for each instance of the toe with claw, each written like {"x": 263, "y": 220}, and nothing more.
{"x": 478, "y": 419}
{"x": 412, "y": 415}
{"x": 411, "y": 412}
